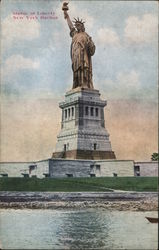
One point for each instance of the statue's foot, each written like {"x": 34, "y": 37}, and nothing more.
{"x": 85, "y": 86}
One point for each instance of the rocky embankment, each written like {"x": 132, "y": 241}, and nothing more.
{"x": 135, "y": 201}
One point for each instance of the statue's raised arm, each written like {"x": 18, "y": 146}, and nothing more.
{"x": 82, "y": 49}
{"x": 66, "y": 16}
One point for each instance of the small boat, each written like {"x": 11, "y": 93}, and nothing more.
{"x": 152, "y": 219}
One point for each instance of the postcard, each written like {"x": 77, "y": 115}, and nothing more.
{"x": 79, "y": 100}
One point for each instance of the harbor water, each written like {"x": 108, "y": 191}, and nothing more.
{"x": 76, "y": 229}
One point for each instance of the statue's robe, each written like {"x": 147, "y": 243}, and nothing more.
{"x": 82, "y": 48}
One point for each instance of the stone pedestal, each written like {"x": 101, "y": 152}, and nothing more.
{"x": 83, "y": 134}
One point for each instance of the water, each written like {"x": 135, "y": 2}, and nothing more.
{"x": 76, "y": 229}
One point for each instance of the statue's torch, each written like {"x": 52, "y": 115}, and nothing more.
{"x": 65, "y": 9}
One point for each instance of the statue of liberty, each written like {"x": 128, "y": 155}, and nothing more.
{"x": 82, "y": 49}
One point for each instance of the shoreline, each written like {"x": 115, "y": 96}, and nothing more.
{"x": 119, "y": 206}
{"x": 121, "y": 201}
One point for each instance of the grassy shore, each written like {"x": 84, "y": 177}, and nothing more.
{"x": 80, "y": 184}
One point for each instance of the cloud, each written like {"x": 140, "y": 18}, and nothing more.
{"x": 133, "y": 129}
{"x": 129, "y": 79}
{"x": 141, "y": 30}
{"x": 125, "y": 80}
{"x": 107, "y": 36}
{"x": 126, "y": 85}
{"x": 18, "y": 62}
{"x": 28, "y": 128}
{"x": 14, "y": 30}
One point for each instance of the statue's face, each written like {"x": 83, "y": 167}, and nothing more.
{"x": 79, "y": 26}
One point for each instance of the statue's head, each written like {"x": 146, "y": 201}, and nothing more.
{"x": 79, "y": 25}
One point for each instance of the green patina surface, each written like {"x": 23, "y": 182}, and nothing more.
{"x": 80, "y": 184}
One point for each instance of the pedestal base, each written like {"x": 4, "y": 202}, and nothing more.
{"x": 85, "y": 154}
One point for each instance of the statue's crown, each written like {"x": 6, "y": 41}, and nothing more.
{"x": 78, "y": 21}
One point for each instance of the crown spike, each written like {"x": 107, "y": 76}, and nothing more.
{"x": 77, "y": 20}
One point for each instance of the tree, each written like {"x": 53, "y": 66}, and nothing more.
{"x": 155, "y": 157}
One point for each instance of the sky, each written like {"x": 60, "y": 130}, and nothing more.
{"x": 36, "y": 72}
